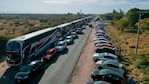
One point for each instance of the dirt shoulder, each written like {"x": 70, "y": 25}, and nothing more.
{"x": 3, "y": 68}
{"x": 85, "y": 64}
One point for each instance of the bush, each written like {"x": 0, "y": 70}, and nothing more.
{"x": 142, "y": 63}
{"x": 3, "y": 40}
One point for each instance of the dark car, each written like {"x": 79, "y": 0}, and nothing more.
{"x": 109, "y": 64}
{"x": 102, "y": 41}
{"x": 50, "y": 53}
{"x": 105, "y": 49}
{"x": 28, "y": 70}
{"x": 108, "y": 76}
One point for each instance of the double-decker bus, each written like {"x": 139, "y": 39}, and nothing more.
{"x": 23, "y": 49}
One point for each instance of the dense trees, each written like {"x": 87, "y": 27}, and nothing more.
{"x": 129, "y": 21}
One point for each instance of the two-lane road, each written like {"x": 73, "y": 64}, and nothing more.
{"x": 60, "y": 71}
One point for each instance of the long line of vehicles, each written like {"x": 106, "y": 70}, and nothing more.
{"x": 108, "y": 69}
{"x": 30, "y": 51}
{"x": 24, "y": 49}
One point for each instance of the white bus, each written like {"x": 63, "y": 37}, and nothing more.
{"x": 23, "y": 49}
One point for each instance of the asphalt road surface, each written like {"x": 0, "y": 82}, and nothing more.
{"x": 57, "y": 70}
{"x": 60, "y": 71}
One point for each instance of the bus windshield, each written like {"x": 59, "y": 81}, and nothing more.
{"x": 13, "y": 53}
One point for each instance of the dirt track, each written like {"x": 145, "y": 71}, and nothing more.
{"x": 85, "y": 64}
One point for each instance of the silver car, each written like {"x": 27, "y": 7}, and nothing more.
{"x": 60, "y": 46}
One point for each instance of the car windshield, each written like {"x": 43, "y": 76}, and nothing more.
{"x": 110, "y": 65}
{"x": 26, "y": 68}
{"x": 113, "y": 79}
{"x": 60, "y": 44}
{"x": 21, "y": 74}
{"x": 109, "y": 57}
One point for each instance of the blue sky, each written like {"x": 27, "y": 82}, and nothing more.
{"x": 73, "y": 6}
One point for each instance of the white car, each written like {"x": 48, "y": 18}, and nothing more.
{"x": 60, "y": 46}
{"x": 105, "y": 56}
{"x": 74, "y": 35}
{"x": 69, "y": 39}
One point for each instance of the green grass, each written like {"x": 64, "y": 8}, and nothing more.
{"x": 142, "y": 63}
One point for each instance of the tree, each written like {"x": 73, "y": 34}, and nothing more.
{"x": 122, "y": 23}
{"x": 3, "y": 40}
{"x": 133, "y": 16}
{"x": 116, "y": 15}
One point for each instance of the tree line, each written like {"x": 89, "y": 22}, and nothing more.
{"x": 129, "y": 21}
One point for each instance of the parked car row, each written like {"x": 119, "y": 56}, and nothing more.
{"x": 27, "y": 71}
{"x": 108, "y": 69}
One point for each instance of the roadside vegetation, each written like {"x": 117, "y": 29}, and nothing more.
{"x": 123, "y": 30}
{"x": 13, "y": 25}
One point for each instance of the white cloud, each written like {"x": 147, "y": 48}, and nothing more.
{"x": 69, "y": 1}
{"x": 99, "y": 2}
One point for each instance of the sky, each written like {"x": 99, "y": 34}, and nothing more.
{"x": 72, "y": 6}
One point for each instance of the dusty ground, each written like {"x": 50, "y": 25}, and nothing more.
{"x": 85, "y": 64}
{"x": 3, "y": 68}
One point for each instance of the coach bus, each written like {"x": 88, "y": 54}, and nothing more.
{"x": 23, "y": 49}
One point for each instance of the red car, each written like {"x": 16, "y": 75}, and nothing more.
{"x": 103, "y": 44}
{"x": 51, "y": 52}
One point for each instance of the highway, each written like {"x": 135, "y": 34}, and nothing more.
{"x": 60, "y": 71}
{"x": 57, "y": 70}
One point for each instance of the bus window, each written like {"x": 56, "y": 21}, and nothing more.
{"x": 13, "y": 46}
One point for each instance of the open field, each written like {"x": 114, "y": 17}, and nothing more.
{"x": 13, "y": 25}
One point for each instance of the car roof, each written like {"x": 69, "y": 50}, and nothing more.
{"x": 34, "y": 62}
{"x": 101, "y": 82}
{"x": 111, "y": 62}
{"x": 107, "y": 47}
{"x": 105, "y": 54}
{"x": 68, "y": 36}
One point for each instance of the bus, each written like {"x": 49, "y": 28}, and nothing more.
{"x": 24, "y": 49}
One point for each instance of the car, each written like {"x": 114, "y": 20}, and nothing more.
{"x": 109, "y": 64}
{"x": 28, "y": 70}
{"x": 69, "y": 39}
{"x": 50, "y": 53}
{"x": 104, "y": 37}
{"x": 101, "y": 38}
{"x": 61, "y": 45}
{"x": 102, "y": 41}
{"x": 105, "y": 49}
{"x": 101, "y": 34}
{"x": 79, "y": 31}
{"x": 103, "y": 44}
{"x": 84, "y": 27}
{"x": 74, "y": 35}
{"x": 96, "y": 82}
{"x": 108, "y": 76}
{"x": 105, "y": 56}
{"x": 101, "y": 82}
